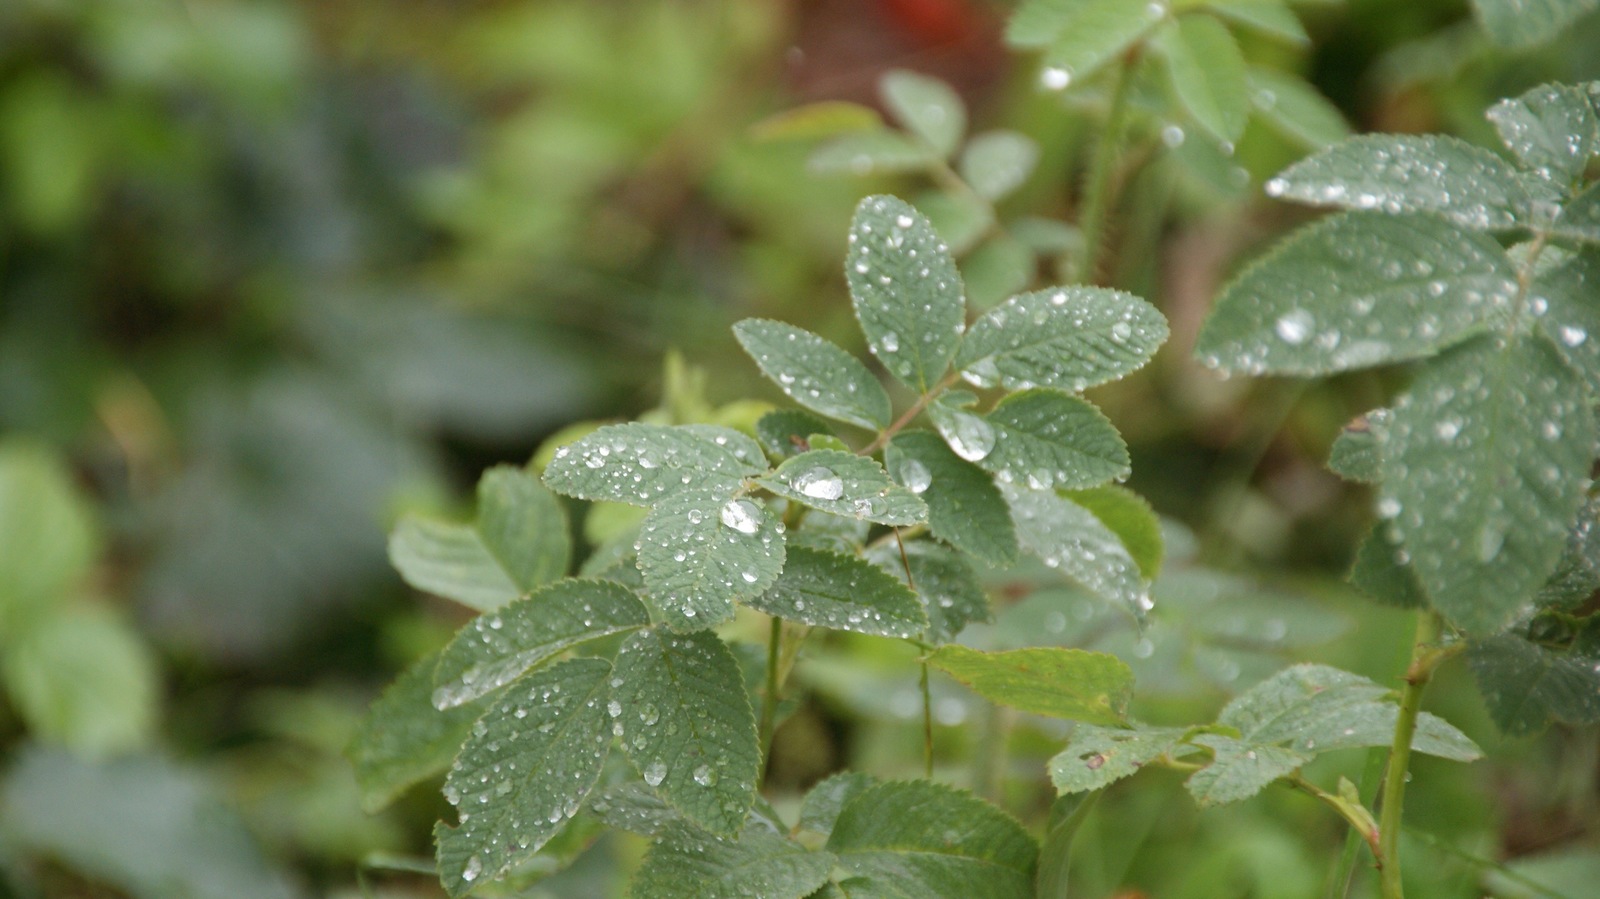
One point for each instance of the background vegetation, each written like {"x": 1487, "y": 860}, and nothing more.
{"x": 273, "y": 274}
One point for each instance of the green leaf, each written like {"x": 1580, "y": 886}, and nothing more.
{"x": 1071, "y": 338}
{"x": 827, "y": 118}
{"x": 643, "y": 464}
{"x": 1400, "y": 173}
{"x": 907, "y": 292}
{"x": 927, "y": 107}
{"x": 531, "y": 760}
{"x": 634, "y": 807}
{"x": 1572, "y": 319}
{"x": 685, "y": 862}
{"x": 1130, "y": 517}
{"x": 1379, "y": 573}
{"x": 403, "y": 739}
{"x": 1358, "y": 290}
{"x": 1238, "y": 769}
{"x": 1036, "y": 23}
{"x": 845, "y": 484}
{"x": 523, "y": 526}
{"x": 1071, "y": 539}
{"x": 686, "y": 723}
{"x": 1084, "y": 36}
{"x": 995, "y": 163}
{"x": 960, "y": 217}
{"x": 1484, "y": 466}
{"x": 847, "y": 593}
{"x": 916, "y": 839}
{"x": 1526, "y": 685}
{"x": 1524, "y": 23}
{"x": 1295, "y": 109}
{"x": 830, "y": 533}
{"x": 1096, "y": 757}
{"x": 881, "y": 152}
{"x": 1063, "y": 683}
{"x": 828, "y": 798}
{"x": 1580, "y": 217}
{"x": 1554, "y": 128}
{"x": 943, "y": 580}
{"x": 1067, "y": 815}
{"x": 1577, "y": 575}
{"x": 1272, "y": 17}
{"x": 998, "y": 268}
{"x": 48, "y": 538}
{"x": 1315, "y": 709}
{"x": 1355, "y": 454}
{"x": 1044, "y": 438}
{"x": 1208, "y": 75}
{"x": 81, "y": 676}
{"x": 815, "y": 373}
{"x": 965, "y": 508}
{"x": 450, "y": 560}
{"x": 496, "y": 648}
{"x": 699, "y": 552}
{"x": 787, "y": 432}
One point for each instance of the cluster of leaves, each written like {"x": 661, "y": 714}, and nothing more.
{"x": 1483, "y": 269}
{"x": 794, "y": 524}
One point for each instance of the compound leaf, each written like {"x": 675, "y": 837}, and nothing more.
{"x": 845, "y": 484}
{"x": 965, "y": 509}
{"x": 1074, "y": 684}
{"x": 842, "y": 592}
{"x": 642, "y": 464}
{"x": 906, "y": 290}
{"x": 1357, "y": 290}
{"x": 1071, "y": 338}
{"x": 526, "y": 769}
{"x": 685, "y": 721}
{"x": 919, "y": 839}
{"x": 815, "y": 373}
{"x": 1484, "y": 467}
{"x": 943, "y": 580}
{"x": 498, "y": 647}
{"x": 699, "y": 552}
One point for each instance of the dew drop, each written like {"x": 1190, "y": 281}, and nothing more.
{"x": 742, "y": 515}
{"x": 1055, "y": 78}
{"x": 1295, "y": 326}
{"x": 914, "y": 476}
{"x": 655, "y": 773}
{"x": 704, "y": 776}
{"x": 819, "y": 483}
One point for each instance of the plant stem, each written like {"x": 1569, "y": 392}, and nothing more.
{"x": 989, "y": 760}
{"x": 927, "y": 725}
{"x": 1097, "y": 193}
{"x": 1371, "y": 776}
{"x": 769, "y": 701}
{"x": 916, "y": 409}
{"x": 1423, "y": 660}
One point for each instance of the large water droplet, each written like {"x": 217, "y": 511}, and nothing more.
{"x": 704, "y": 776}
{"x": 969, "y": 436}
{"x": 655, "y": 773}
{"x": 914, "y": 476}
{"x": 819, "y": 483}
{"x": 742, "y": 515}
{"x": 1295, "y": 326}
{"x": 473, "y": 868}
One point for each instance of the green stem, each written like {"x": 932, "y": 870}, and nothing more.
{"x": 1360, "y": 821}
{"x": 927, "y": 725}
{"x": 1371, "y": 776}
{"x": 1097, "y": 194}
{"x": 1423, "y": 659}
{"x": 769, "y": 700}
{"x": 989, "y": 761}
{"x": 922, "y": 402}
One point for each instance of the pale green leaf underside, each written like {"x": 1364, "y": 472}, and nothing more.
{"x": 1130, "y": 517}
{"x": 1485, "y": 464}
{"x": 1062, "y": 683}
{"x": 641, "y": 464}
{"x": 1097, "y": 757}
{"x": 906, "y": 290}
{"x": 1239, "y": 769}
{"x": 1208, "y": 75}
{"x": 1400, "y": 173}
{"x": 498, "y": 647}
{"x": 1295, "y": 109}
{"x": 403, "y": 739}
{"x": 1045, "y": 438}
{"x": 684, "y": 862}
{"x": 845, "y": 484}
{"x": 700, "y": 552}
{"x": 965, "y": 508}
{"x": 827, "y": 799}
{"x": 815, "y": 373}
{"x": 1071, "y": 338}
{"x": 842, "y": 592}
{"x": 1072, "y": 540}
{"x": 921, "y": 839}
{"x": 531, "y": 760}
{"x": 1272, "y": 17}
{"x": 523, "y": 526}
{"x": 1523, "y": 23}
{"x": 927, "y": 107}
{"x": 1553, "y": 128}
{"x": 686, "y": 723}
{"x": 450, "y": 560}
{"x": 1358, "y": 290}
{"x": 995, "y": 163}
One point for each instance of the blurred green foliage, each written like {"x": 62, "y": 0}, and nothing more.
{"x": 274, "y": 273}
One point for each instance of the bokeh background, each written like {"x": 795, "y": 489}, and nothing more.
{"x": 274, "y": 272}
